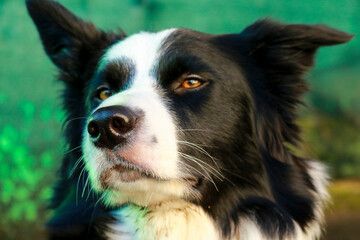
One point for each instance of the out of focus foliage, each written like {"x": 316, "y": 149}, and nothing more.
{"x": 30, "y": 139}
{"x": 27, "y": 167}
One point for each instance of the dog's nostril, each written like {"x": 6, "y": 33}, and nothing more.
{"x": 93, "y": 129}
{"x": 121, "y": 124}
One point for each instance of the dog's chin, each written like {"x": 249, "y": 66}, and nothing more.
{"x": 119, "y": 173}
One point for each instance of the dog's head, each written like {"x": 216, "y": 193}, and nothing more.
{"x": 178, "y": 113}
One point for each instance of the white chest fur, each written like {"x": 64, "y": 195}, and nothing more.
{"x": 169, "y": 220}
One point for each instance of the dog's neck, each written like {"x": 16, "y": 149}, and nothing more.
{"x": 175, "y": 219}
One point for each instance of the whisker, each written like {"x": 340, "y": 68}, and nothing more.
{"x": 100, "y": 199}
{"x": 111, "y": 199}
{"x": 73, "y": 119}
{"x": 193, "y": 159}
{"x": 196, "y": 146}
{"x": 85, "y": 186}
{"x": 91, "y": 190}
{"x": 199, "y": 144}
{"x": 215, "y": 171}
{"x": 195, "y": 130}
{"x": 77, "y": 186}
{"x": 69, "y": 151}
{"x": 76, "y": 164}
{"x": 208, "y": 177}
{"x": 202, "y": 174}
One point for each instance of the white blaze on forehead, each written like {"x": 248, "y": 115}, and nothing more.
{"x": 143, "y": 50}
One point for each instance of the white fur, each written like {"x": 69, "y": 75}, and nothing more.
{"x": 175, "y": 220}
{"x": 320, "y": 179}
{"x": 248, "y": 230}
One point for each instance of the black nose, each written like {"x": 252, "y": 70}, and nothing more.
{"x": 111, "y": 126}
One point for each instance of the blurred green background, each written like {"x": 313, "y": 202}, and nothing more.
{"x": 30, "y": 123}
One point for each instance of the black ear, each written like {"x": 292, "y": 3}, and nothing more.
{"x": 283, "y": 53}
{"x": 275, "y": 57}
{"x": 69, "y": 41}
{"x": 289, "y": 48}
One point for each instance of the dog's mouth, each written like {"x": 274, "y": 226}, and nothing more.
{"x": 122, "y": 173}
{"x": 129, "y": 174}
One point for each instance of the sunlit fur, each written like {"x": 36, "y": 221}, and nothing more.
{"x": 214, "y": 160}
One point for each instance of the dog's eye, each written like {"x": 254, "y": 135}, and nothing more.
{"x": 189, "y": 83}
{"x": 103, "y": 93}
{"x": 192, "y": 82}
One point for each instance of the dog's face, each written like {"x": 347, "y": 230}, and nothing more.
{"x": 180, "y": 114}
{"x": 160, "y": 103}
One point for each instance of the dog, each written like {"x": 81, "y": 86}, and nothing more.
{"x": 181, "y": 134}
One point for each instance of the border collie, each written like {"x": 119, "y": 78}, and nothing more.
{"x": 181, "y": 134}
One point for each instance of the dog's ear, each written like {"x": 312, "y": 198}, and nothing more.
{"x": 275, "y": 57}
{"x": 283, "y": 53}
{"x": 289, "y": 48}
{"x": 69, "y": 41}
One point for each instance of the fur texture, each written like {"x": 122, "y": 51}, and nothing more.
{"x": 206, "y": 154}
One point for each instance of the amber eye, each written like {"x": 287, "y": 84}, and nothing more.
{"x": 191, "y": 83}
{"x": 104, "y": 94}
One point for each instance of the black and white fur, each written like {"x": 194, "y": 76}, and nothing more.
{"x": 214, "y": 159}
